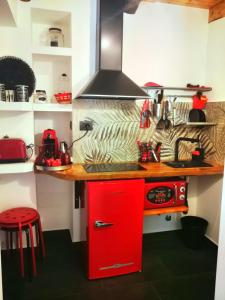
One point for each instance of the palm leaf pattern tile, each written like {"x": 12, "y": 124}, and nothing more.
{"x": 117, "y": 129}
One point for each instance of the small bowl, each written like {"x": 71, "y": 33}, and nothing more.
{"x": 63, "y": 98}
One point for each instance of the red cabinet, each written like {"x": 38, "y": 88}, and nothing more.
{"x": 114, "y": 232}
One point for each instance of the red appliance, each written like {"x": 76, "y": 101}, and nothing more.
{"x": 12, "y": 150}
{"x": 165, "y": 192}
{"x": 145, "y": 115}
{"x": 114, "y": 227}
{"x": 50, "y": 143}
{"x": 49, "y": 153}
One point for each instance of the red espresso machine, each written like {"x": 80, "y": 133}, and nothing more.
{"x": 49, "y": 153}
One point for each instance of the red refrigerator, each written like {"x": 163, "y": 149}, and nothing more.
{"x": 114, "y": 227}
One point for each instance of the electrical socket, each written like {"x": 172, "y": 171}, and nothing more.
{"x": 168, "y": 218}
{"x": 86, "y": 126}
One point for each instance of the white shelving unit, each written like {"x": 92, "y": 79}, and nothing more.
{"x": 29, "y": 106}
{"x": 17, "y": 168}
{"x": 43, "y": 19}
{"x": 47, "y": 50}
{"x": 16, "y": 106}
{"x": 52, "y": 107}
{"x": 48, "y": 69}
{"x": 49, "y": 63}
{"x": 19, "y": 184}
{"x": 17, "y": 121}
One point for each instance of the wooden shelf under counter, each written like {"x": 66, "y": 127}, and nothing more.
{"x": 165, "y": 210}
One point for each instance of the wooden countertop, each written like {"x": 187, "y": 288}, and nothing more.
{"x": 77, "y": 172}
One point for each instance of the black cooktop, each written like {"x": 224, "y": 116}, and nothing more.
{"x": 112, "y": 167}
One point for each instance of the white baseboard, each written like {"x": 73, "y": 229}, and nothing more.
{"x": 214, "y": 242}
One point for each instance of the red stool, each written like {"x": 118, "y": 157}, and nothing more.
{"x": 23, "y": 219}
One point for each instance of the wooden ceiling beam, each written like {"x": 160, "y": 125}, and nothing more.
{"x": 217, "y": 11}
{"x": 206, "y": 4}
{"x": 216, "y": 7}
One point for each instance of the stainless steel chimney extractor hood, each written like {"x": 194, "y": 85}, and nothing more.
{"x": 110, "y": 82}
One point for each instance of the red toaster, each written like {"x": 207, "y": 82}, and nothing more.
{"x": 12, "y": 150}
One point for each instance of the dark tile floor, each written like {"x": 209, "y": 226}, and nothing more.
{"x": 170, "y": 272}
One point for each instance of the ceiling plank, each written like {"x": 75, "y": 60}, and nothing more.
{"x": 217, "y": 11}
{"x": 193, "y": 3}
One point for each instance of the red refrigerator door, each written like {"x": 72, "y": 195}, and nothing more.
{"x": 115, "y": 220}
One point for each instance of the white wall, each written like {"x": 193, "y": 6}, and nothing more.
{"x": 208, "y": 192}
{"x": 13, "y": 7}
{"x": 17, "y": 190}
{"x": 166, "y": 44}
{"x": 216, "y": 60}
{"x": 8, "y": 12}
{"x": 215, "y": 78}
{"x": 15, "y": 41}
{"x": 219, "y": 288}
{"x": 209, "y": 188}
{"x": 54, "y": 202}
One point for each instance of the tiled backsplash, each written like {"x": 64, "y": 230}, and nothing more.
{"x": 116, "y": 130}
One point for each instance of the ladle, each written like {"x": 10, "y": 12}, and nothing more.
{"x": 167, "y": 122}
{"x": 161, "y": 123}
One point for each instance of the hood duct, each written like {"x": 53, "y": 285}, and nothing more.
{"x": 110, "y": 82}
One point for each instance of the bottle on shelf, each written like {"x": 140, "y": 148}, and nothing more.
{"x": 64, "y": 83}
{"x": 64, "y": 95}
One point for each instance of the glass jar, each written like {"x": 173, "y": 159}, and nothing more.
{"x": 2, "y": 92}
{"x": 56, "y": 38}
{"x": 22, "y": 93}
{"x": 40, "y": 96}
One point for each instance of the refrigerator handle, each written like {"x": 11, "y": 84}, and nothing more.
{"x": 102, "y": 224}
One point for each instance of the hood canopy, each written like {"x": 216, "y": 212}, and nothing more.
{"x": 110, "y": 82}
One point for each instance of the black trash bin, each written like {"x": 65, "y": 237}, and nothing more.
{"x": 193, "y": 231}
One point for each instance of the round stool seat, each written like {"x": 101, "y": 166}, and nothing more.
{"x": 20, "y": 219}
{"x": 13, "y": 216}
